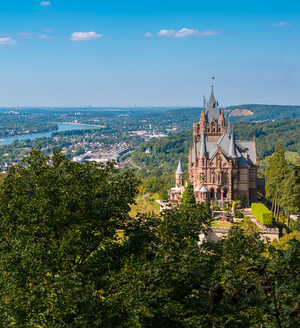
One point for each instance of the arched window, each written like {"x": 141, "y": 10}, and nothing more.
{"x": 212, "y": 193}
{"x": 225, "y": 193}
{"x": 218, "y": 193}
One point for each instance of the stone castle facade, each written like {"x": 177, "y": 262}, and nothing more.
{"x": 220, "y": 167}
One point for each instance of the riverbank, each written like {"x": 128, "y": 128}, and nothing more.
{"x": 61, "y": 127}
{"x": 100, "y": 126}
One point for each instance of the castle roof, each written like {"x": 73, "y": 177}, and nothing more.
{"x": 232, "y": 151}
{"x": 203, "y": 189}
{"x": 244, "y": 150}
{"x": 179, "y": 168}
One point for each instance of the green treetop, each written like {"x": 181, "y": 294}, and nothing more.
{"x": 56, "y": 223}
{"x": 276, "y": 173}
{"x": 188, "y": 197}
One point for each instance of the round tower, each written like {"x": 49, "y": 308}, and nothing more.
{"x": 179, "y": 176}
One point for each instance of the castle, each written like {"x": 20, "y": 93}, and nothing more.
{"x": 220, "y": 167}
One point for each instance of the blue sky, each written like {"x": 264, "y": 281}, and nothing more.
{"x": 148, "y": 53}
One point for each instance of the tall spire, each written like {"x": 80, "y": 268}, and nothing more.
{"x": 212, "y": 109}
{"x": 228, "y": 128}
{"x": 203, "y": 145}
{"x": 232, "y": 151}
{"x": 179, "y": 168}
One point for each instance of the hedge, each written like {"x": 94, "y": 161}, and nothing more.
{"x": 262, "y": 213}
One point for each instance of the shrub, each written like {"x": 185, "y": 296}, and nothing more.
{"x": 262, "y": 213}
{"x": 216, "y": 208}
{"x": 238, "y": 214}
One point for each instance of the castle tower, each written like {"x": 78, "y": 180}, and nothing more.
{"x": 212, "y": 121}
{"x": 220, "y": 168}
{"x": 179, "y": 176}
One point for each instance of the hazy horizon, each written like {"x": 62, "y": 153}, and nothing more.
{"x": 149, "y": 54}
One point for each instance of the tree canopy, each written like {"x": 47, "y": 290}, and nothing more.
{"x": 72, "y": 257}
{"x": 276, "y": 172}
{"x": 55, "y": 223}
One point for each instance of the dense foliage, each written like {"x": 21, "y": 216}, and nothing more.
{"x": 55, "y": 224}
{"x": 282, "y": 184}
{"x": 72, "y": 257}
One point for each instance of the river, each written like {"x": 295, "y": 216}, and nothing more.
{"x": 61, "y": 127}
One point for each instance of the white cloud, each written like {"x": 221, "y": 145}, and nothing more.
{"x": 186, "y": 32}
{"x": 281, "y": 24}
{"x": 48, "y": 30}
{"x": 166, "y": 33}
{"x": 85, "y": 36}
{"x": 7, "y": 41}
{"x": 27, "y": 35}
{"x": 43, "y": 36}
{"x": 45, "y": 3}
{"x": 148, "y": 35}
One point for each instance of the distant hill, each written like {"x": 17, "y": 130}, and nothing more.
{"x": 167, "y": 151}
{"x": 262, "y": 112}
{"x": 185, "y": 117}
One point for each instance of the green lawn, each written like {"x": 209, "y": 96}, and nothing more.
{"x": 220, "y": 224}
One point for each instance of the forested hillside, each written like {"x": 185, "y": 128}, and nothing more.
{"x": 185, "y": 117}
{"x": 167, "y": 151}
{"x": 265, "y": 112}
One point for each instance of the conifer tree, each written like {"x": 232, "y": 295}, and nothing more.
{"x": 290, "y": 196}
{"x": 276, "y": 173}
{"x": 188, "y": 197}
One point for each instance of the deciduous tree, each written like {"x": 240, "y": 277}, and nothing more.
{"x": 56, "y": 224}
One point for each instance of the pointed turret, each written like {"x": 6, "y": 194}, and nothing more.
{"x": 203, "y": 146}
{"x": 232, "y": 151}
{"x": 179, "y": 176}
{"x": 228, "y": 128}
{"x": 179, "y": 168}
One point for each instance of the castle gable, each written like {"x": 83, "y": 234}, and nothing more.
{"x": 218, "y": 154}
